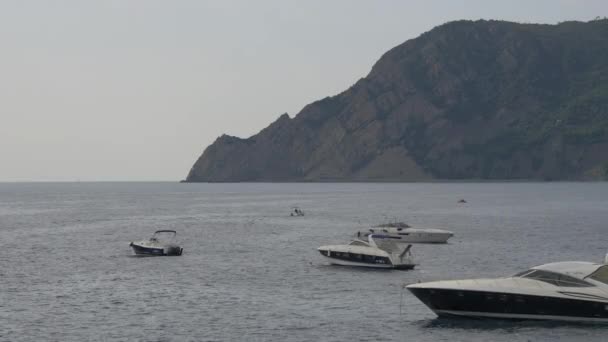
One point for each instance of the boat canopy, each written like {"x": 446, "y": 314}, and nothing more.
{"x": 173, "y": 233}
{"x": 359, "y": 243}
{"x": 601, "y": 275}
{"x": 557, "y": 279}
{"x": 165, "y": 231}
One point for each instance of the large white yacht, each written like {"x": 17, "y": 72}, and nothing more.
{"x": 565, "y": 291}
{"x": 404, "y": 233}
{"x": 377, "y": 252}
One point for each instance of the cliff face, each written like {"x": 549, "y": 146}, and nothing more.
{"x": 466, "y": 100}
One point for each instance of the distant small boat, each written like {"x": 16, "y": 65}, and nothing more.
{"x": 162, "y": 243}
{"x": 462, "y": 200}
{"x": 296, "y": 212}
{"x": 360, "y": 253}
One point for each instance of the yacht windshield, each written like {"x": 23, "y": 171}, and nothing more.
{"x": 358, "y": 243}
{"x": 387, "y": 245}
{"x": 163, "y": 235}
{"x": 600, "y": 275}
{"x": 556, "y": 279}
{"x": 521, "y": 274}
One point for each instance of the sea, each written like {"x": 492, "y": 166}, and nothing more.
{"x": 251, "y": 272}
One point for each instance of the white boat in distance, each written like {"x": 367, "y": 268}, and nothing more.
{"x": 162, "y": 243}
{"x": 403, "y": 233}
{"x": 563, "y": 291}
{"x": 378, "y": 251}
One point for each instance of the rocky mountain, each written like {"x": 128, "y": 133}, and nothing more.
{"x": 466, "y": 100}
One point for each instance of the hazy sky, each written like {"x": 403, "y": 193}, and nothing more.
{"x": 135, "y": 90}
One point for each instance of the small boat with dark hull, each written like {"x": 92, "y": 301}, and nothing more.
{"x": 162, "y": 243}
{"x": 297, "y": 212}
{"x": 564, "y": 291}
{"x": 370, "y": 253}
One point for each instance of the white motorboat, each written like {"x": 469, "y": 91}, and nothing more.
{"x": 402, "y": 232}
{"x": 564, "y": 291}
{"x": 162, "y": 243}
{"x": 370, "y": 253}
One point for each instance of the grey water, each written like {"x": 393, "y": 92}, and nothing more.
{"x": 250, "y": 272}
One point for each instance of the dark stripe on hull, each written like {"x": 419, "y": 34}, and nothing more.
{"x": 139, "y": 250}
{"x": 376, "y": 266}
{"x": 362, "y": 266}
{"x": 146, "y": 251}
{"x": 502, "y": 305}
{"x": 357, "y": 258}
{"x": 404, "y": 267}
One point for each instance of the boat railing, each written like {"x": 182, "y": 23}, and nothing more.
{"x": 164, "y": 235}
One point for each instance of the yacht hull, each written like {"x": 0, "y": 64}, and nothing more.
{"x": 341, "y": 262}
{"x": 155, "y": 251}
{"x": 484, "y": 304}
{"x": 413, "y": 235}
{"x": 425, "y": 238}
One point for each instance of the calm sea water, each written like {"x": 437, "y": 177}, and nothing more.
{"x": 252, "y": 273}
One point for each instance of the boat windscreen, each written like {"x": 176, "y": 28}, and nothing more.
{"x": 358, "y": 243}
{"x": 164, "y": 234}
{"x": 556, "y": 279}
{"x": 601, "y": 274}
{"x": 521, "y": 274}
{"x": 388, "y": 245}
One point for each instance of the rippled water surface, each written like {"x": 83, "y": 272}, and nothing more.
{"x": 252, "y": 273}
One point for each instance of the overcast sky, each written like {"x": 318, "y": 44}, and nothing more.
{"x": 135, "y": 90}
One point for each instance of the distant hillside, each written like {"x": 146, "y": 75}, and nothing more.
{"x": 466, "y": 100}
